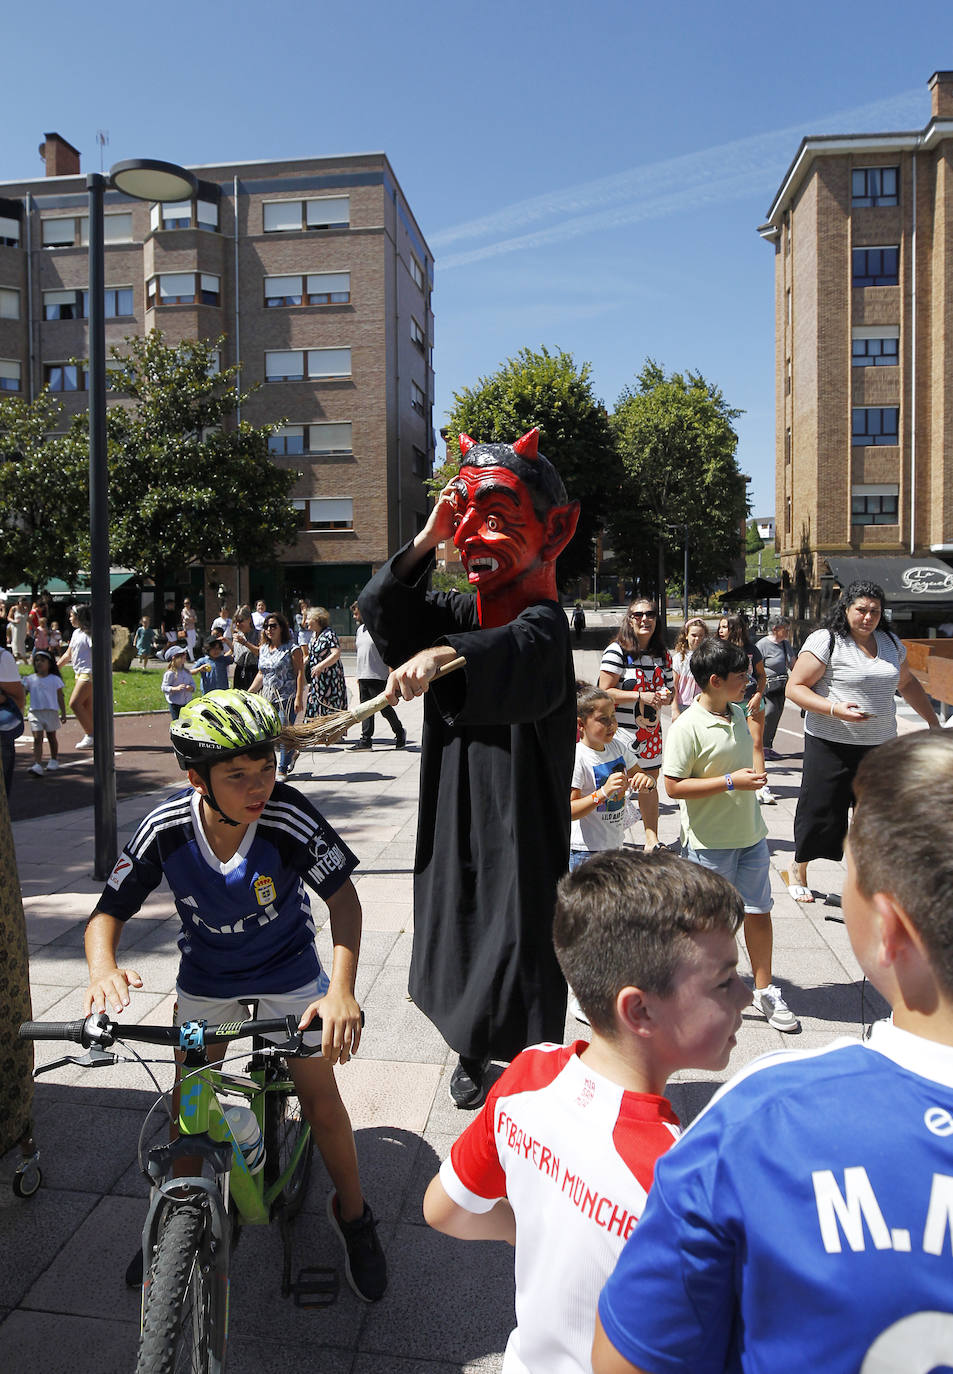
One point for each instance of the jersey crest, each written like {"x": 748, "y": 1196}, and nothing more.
{"x": 264, "y": 890}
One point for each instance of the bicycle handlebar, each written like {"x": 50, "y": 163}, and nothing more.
{"x": 101, "y": 1030}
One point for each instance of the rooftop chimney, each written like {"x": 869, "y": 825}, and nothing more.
{"x": 62, "y": 159}
{"x": 941, "y": 93}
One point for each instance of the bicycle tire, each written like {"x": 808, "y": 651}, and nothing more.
{"x": 177, "y": 1334}
{"x": 283, "y": 1126}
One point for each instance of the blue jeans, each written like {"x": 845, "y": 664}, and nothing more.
{"x": 286, "y": 757}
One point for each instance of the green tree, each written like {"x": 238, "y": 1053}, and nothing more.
{"x": 753, "y": 541}
{"x": 44, "y": 496}
{"x": 550, "y": 391}
{"x": 677, "y": 445}
{"x": 187, "y": 483}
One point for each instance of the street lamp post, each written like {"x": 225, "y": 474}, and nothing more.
{"x": 143, "y": 180}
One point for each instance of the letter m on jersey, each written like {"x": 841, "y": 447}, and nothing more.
{"x": 849, "y": 1211}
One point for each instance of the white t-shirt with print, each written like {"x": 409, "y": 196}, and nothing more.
{"x": 604, "y": 827}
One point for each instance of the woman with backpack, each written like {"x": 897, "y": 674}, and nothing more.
{"x": 845, "y": 678}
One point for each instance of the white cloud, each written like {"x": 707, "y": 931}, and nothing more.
{"x": 658, "y": 189}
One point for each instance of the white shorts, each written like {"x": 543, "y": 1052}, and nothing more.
{"x": 216, "y": 1010}
{"x": 44, "y": 718}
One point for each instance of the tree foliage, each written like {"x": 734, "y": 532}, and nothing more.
{"x": 753, "y": 540}
{"x": 185, "y": 484}
{"x": 676, "y": 443}
{"x": 44, "y": 496}
{"x": 550, "y": 391}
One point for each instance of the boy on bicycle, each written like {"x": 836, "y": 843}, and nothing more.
{"x": 237, "y": 849}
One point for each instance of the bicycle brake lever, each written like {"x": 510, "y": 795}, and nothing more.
{"x": 93, "y": 1059}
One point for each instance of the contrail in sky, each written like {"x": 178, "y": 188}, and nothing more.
{"x": 657, "y": 189}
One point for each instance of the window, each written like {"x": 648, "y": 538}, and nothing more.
{"x": 787, "y": 515}
{"x": 64, "y": 377}
{"x": 874, "y": 185}
{"x": 9, "y": 232}
{"x": 294, "y": 365}
{"x": 417, "y": 398}
{"x": 183, "y": 288}
{"x": 74, "y": 305}
{"x": 417, "y": 272}
{"x": 325, "y": 440}
{"x": 314, "y": 288}
{"x": 879, "y": 352}
{"x": 421, "y": 463}
{"x": 74, "y": 231}
{"x": 184, "y": 214}
{"x": 875, "y": 425}
{"x": 417, "y": 335}
{"x": 9, "y": 375}
{"x": 787, "y": 444}
{"x": 788, "y": 377}
{"x": 874, "y": 505}
{"x": 876, "y": 266}
{"x": 9, "y": 303}
{"x": 325, "y": 513}
{"x": 292, "y": 216}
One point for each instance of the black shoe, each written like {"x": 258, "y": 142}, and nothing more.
{"x": 467, "y": 1083}
{"x": 362, "y": 744}
{"x": 364, "y": 1261}
{"x": 134, "y": 1270}
{"x": 400, "y": 740}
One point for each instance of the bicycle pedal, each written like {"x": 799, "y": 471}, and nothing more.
{"x": 316, "y": 1287}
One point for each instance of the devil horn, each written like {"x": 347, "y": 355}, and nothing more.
{"x": 528, "y": 445}
{"x": 466, "y": 443}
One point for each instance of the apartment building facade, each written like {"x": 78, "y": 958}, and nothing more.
{"x": 318, "y": 277}
{"x": 861, "y": 229}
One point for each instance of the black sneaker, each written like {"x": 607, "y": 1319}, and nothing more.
{"x": 364, "y": 1261}
{"x": 400, "y": 740}
{"x": 362, "y": 744}
{"x": 467, "y": 1083}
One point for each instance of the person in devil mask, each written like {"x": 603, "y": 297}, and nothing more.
{"x": 498, "y": 742}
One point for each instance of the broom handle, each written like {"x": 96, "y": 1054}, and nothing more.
{"x": 375, "y": 704}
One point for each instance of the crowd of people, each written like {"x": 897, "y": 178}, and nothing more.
{"x": 759, "y": 1237}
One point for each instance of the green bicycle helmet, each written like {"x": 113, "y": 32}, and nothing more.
{"x": 221, "y": 724}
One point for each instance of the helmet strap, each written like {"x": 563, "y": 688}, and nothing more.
{"x": 210, "y": 798}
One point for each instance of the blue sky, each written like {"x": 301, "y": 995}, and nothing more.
{"x": 589, "y": 178}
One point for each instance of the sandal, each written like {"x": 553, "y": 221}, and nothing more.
{"x": 800, "y": 893}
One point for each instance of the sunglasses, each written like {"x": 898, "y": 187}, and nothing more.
{"x": 271, "y": 625}
{"x": 642, "y": 615}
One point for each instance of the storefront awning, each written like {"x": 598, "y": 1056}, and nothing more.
{"x": 58, "y": 590}
{"x": 917, "y": 581}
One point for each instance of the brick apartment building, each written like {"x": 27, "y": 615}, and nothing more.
{"x": 318, "y": 276}
{"x": 861, "y": 228}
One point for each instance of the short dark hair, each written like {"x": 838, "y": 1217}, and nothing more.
{"x": 717, "y": 657}
{"x": 900, "y": 836}
{"x": 588, "y": 698}
{"x": 624, "y": 919}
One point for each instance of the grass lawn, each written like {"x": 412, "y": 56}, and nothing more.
{"x": 136, "y": 689}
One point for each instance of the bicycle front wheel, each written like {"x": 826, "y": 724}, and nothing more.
{"x": 182, "y": 1329}
{"x": 283, "y": 1128}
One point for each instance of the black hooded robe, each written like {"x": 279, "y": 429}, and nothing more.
{"x": 493, "y": 819}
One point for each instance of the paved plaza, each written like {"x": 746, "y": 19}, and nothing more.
{"x": 63, "y": 1306}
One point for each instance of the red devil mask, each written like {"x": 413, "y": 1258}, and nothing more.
{"x": 512, "y": 520}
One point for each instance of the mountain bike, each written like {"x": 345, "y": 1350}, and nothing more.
{"x": 212, "y": 1179}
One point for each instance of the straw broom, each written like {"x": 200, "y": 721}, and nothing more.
{"x": 329, "y": 729}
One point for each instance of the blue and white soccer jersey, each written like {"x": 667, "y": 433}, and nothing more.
{"x": 246, "y": 923}
{"x": 573, "y": 1153}
{"x": 803, "y": 1222}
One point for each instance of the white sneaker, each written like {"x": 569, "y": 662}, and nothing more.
{"x": 281, "y": 776}
{"x": 37, "y": 769}
{"x": 576, "y": 1010}
{"x": 766, "y": 797}
{"x": 52, "y": 766}
{"x": 774, "y": 1009}
{"x": 85, "y": 743}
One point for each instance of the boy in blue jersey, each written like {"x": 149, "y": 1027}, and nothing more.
{"x": 805, "y": 1220}
{"x": 237, "y": 850}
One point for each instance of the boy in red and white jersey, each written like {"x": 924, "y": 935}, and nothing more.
{"x": 560, "y": 1160}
